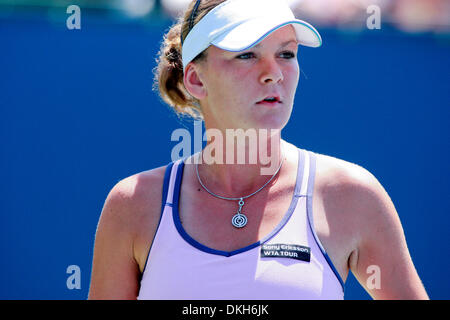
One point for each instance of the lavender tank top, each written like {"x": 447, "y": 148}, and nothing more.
{"x": 288, "y": 264}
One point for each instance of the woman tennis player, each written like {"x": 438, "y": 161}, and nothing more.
{"x": 289, "y": 228}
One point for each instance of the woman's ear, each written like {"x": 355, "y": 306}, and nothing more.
{"x": 193, "y": 82}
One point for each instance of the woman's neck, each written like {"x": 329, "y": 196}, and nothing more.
{"x": 239, "y": 162}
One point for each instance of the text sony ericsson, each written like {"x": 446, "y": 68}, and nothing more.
{"x": 281, "y": 250}
{"x": 285, "y": 247}
{"x": 256, "y": 310}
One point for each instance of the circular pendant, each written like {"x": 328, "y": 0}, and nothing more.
{"x": 239, "y": 220}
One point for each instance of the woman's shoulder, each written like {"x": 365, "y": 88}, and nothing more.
{"x": 350, "y": 188}
{"x": 139, "y": 190}
{"x": 352, "y": 191}
{"x": 136, "y": 198}
{"x": 133, "y": 186}
{"x": 132, "y": 210}
{"x": 335, "y": 173}
{"x": 332, "y": 171}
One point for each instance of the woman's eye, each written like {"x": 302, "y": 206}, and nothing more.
{"x": 288, "y": 54}
{"x": 245, "y": 56}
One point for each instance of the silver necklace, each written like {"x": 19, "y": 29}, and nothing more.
{"x": 239, "y": 220}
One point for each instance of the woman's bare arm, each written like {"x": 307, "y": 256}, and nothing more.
{"x": 382, "y": 264}
{"x": 126, "y": 227}
{"x": 115, "y": 272}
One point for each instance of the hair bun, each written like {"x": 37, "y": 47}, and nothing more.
{"x": 173, "y": 55}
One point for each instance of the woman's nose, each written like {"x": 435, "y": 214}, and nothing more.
{"x": 270, "y": 71}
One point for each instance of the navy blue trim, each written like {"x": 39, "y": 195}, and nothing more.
{"x": 198, "y": 245}
{"x": 163, "y": 204}
{"x": 309, "y": 207}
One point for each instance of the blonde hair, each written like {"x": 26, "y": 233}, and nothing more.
{"x": 169, "y": 70}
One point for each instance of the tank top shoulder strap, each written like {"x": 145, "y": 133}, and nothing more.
{"x": 171, "y": 183}
{"x": 311, "y": 172}
{"x": 309, "y": 204}
{"x": 166, "y": 197}
{"x": 301, "y": 186}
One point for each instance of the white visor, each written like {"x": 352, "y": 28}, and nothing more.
{"x": 237, "y": 25}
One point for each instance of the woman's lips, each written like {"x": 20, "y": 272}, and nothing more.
{"x": 270, "y": 100}
{"x": 270, "y": 103}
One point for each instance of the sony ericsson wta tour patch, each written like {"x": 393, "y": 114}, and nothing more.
{"x": 280, "y": 250}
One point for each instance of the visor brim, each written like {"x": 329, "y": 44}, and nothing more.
{"x": 250, "y": 33}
